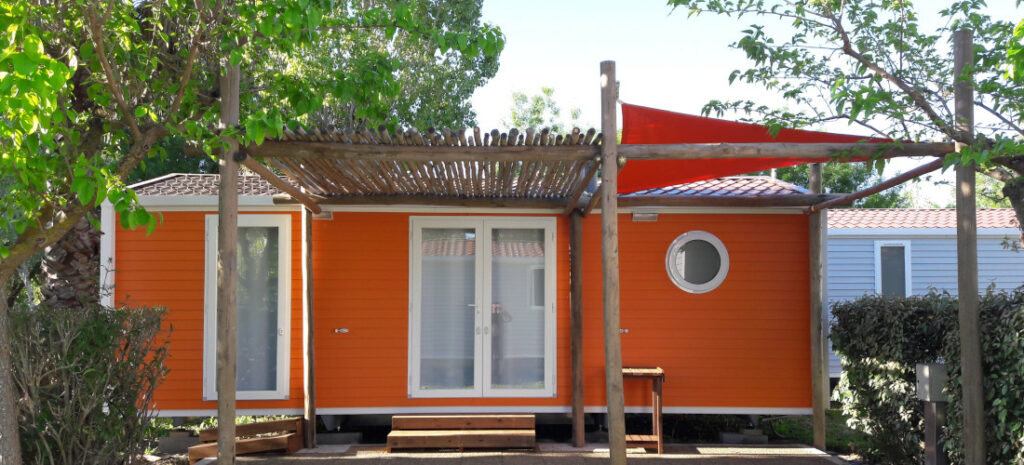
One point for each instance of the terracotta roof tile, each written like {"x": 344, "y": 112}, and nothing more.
{"x": 202, "y": 184}
{"x": 207, "y": 184}
{"x": 904, "y": 218}
{"x": 726, "y": 187}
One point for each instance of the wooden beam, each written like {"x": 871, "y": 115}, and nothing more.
{"x": 308, "y": 352}
{"x": 488, "y": 202}
{"x": 967, "y": 257}
{"x": 610, "y": 262}
{"x": 380, "y": 152}
{"x": 227, "y": 271}
{"x": 887, "y": 184}
{"x": 576, "y": 323}
{"x": 819, "y": 350}
{"x": 595, "y": 199}
{"x": 825, "y": 151}
{"x": 575, "y": 197}
{"x": 279, "y": 183}
{"x": 793, "y": 200}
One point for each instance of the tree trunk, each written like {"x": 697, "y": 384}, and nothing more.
{"x": 71, "y": 267}
{"x": 1014, "y": 190}
{"x": 10, "y": 447}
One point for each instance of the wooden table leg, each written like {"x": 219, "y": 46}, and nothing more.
{"x": 656, "y": 411}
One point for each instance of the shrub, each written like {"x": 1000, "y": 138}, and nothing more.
{"x": 1002, "y": 339}
{"x": 85, "y": 380}
{"x": 880, "y": 340}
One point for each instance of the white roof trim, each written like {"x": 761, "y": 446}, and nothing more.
{"x": 888, "y": 232}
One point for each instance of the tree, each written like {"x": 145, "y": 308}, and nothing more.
{"x": 539, "y": 111}
{"x": 435, "y": 88}
{"x": 846, "y": 178}
{"x": 869, "y": 63}
{"x": 92, "y": 88}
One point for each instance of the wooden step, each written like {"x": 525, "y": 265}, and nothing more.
{"x": 647, "y": 441}
{"x": 289, "y": 443}
{"x": 462, "y": 439}
{"x": 252, "y": 429}
{"x": 460, "y": 422}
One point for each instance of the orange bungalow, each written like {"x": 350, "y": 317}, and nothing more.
{"x": 448, "y": 272}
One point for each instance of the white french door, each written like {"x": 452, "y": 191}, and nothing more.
{"x": 482, "y": 311}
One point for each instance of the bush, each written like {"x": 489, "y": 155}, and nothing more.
{"x": 1002, "y": 352}
{"x": 85, "y": 380}
{"x": 880, "y": 340}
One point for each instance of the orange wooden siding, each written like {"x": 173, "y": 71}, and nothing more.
{"x": 745, "y": 344}
{"x": 166, "y": 269}
{"x": 361, "y": 264}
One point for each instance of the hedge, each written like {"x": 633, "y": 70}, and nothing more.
{"x": 85, "y": 379}
{"x": 880, "y": 341}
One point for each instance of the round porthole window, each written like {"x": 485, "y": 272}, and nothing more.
{"x": 697, "y": 262}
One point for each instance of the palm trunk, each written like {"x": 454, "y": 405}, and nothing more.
{"x": 10, "y": 447}
{"x": 71, "y": 267}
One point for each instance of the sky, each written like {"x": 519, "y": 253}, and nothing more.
{"x": 663, "y": 59}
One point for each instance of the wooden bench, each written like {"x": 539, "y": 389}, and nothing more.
{"x": 287, "y": 439}
{"x": 462, "y": 432}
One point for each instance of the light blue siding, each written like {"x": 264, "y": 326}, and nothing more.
{"x": 851, "y": 267}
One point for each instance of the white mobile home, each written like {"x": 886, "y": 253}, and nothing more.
{"x": 909, "y": 251}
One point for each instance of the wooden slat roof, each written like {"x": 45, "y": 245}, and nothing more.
{"x": 406, "y": 166}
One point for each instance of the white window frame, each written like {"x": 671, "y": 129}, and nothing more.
{"x": 907, "y": 273}
{"x": 482, "y": 226}
{"x": 679, "y": 280}
{"x": 283, "y": 223}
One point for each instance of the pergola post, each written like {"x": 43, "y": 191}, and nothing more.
{"x": 308, "y": 359}
{"x": 819, "y": 354}
{"x": 227, "y": 271}
{"x": 576, "y": 322}
{"x": 967, "y": 257}
{"x": 610, "y": 264}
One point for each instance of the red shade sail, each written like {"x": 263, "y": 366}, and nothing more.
{"x": 643, "y": 125}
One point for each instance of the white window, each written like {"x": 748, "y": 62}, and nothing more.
{"x": 892, "y": 268}
{"x": 264, "y": 258}
{"x": 697, "y": 262}
{"x": 482, "y": 307}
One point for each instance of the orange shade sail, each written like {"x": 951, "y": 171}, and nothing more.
{"x": 643, "y": 125}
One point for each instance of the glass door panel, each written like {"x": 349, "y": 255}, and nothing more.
{"x": 257, "y": 308}
{"x": 448, "y": 310}
{"x": 516, "y": 339}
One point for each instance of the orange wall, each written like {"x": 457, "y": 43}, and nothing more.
{"x": 745, "y": 344}
{"x": 166, "y": 269}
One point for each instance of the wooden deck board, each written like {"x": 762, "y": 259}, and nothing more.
{"x": 454, "y": 422}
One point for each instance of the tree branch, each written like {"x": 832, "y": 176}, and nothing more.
{"x": 113, "y": 83}
{"x": 998, "y": 115}
{"x": 919, "y": 99}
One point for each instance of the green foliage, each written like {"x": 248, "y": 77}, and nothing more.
{"x": 85, "y": 379}
{"x": 871, "y": 64}
{"x": 839, "y": 437}
{"x": 880, "y": 340}
{"x": 1002, "y": 336}
{"x": 540, "y": 111}
{"x": 844, "y": 178}
{"x": 91, "y": 88}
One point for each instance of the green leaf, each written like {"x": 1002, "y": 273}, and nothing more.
{"x": 235, "y": 57}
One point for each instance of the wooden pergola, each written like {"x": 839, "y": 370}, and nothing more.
{"x": 543, "y": 170}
